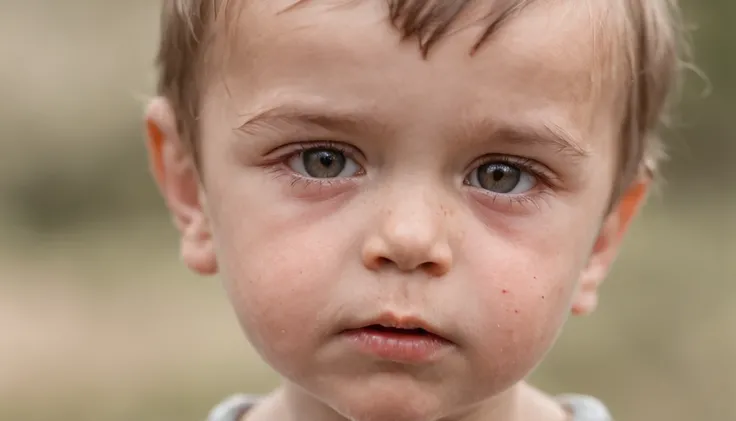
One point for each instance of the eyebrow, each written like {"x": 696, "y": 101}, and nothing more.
{"x": 330, "y": 120}
{"x": 547, "y": 134}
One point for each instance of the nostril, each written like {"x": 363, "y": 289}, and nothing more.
{"x": 378, "y": 263}
{"x": 383, "y": 261}
{"x": 432, "y": 268}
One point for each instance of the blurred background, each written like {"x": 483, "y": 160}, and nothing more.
{"x": 99, "y": 321}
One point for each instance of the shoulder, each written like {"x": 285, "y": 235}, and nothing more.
{"x": 585, "y": 408}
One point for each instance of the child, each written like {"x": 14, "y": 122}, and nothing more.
{"x": 405, "y": 199}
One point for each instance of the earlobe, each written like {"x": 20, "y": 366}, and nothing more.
{"x": 174, "y": 170}
{"x": 607, "y": 246}
{"x": 197, "y": 248}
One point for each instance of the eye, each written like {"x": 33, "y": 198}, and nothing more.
{"x": 323, "y": 163}
{"x": 502, "y": 178}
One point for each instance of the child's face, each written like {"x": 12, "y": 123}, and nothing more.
{"x": 348, "y": 182}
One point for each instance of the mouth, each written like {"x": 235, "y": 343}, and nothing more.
{"x": 401, "y": 340}
{"x": 418, "y": 331}
{"x": 390, "y": 324}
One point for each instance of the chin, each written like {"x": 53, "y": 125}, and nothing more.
{"x": 371, "y": 409}
{"x": 389, "y": 402}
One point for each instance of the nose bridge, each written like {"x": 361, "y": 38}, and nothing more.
{"x": 411, "y": 229}
{"x": 412, "y": 215}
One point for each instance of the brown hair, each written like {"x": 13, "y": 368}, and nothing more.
{"x": 652, "y": 51}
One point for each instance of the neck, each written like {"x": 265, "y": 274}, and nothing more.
{"x": 520, "y": 403}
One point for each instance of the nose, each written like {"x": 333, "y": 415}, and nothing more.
{"x": 411, "y": 234}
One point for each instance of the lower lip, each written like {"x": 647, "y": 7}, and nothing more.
{"x": 407, "y": 348}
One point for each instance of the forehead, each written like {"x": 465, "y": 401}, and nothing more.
{"x": 552, "y": 53}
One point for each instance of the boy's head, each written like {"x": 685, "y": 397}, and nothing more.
{"x": 339, "y": 176}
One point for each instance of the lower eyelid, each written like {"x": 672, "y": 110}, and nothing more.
{"x": 282, "y": 169}
{"x": 301, "y": 187}
{"x": 524, "y": 203}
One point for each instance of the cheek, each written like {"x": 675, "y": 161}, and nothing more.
{"x": 280, "y": 267}
{"x": 279, "y": 290}
{"x": 522, "y": 283}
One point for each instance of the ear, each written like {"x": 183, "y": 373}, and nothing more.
{"x": 607, "y": 245}
{"x": 176, "y": 175}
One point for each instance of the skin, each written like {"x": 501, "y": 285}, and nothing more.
{"x": 405, "y": 228}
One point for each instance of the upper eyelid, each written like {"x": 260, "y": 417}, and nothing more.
{"x": 328, "y": 144}
{"x": 526, "y": 163}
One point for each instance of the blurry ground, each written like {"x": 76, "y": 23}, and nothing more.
{"x": 98, "y": 321}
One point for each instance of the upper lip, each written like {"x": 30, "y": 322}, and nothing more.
{"x": 397, "y": 321}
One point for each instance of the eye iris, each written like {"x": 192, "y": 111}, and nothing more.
{"x": 324, "y": 163}
{"x": 499, "y": 178}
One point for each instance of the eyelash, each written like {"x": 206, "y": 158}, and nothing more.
{"x": 544, "y": 176}
{"x": 525, "y": 164}
{"x": 279, "y": 168}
